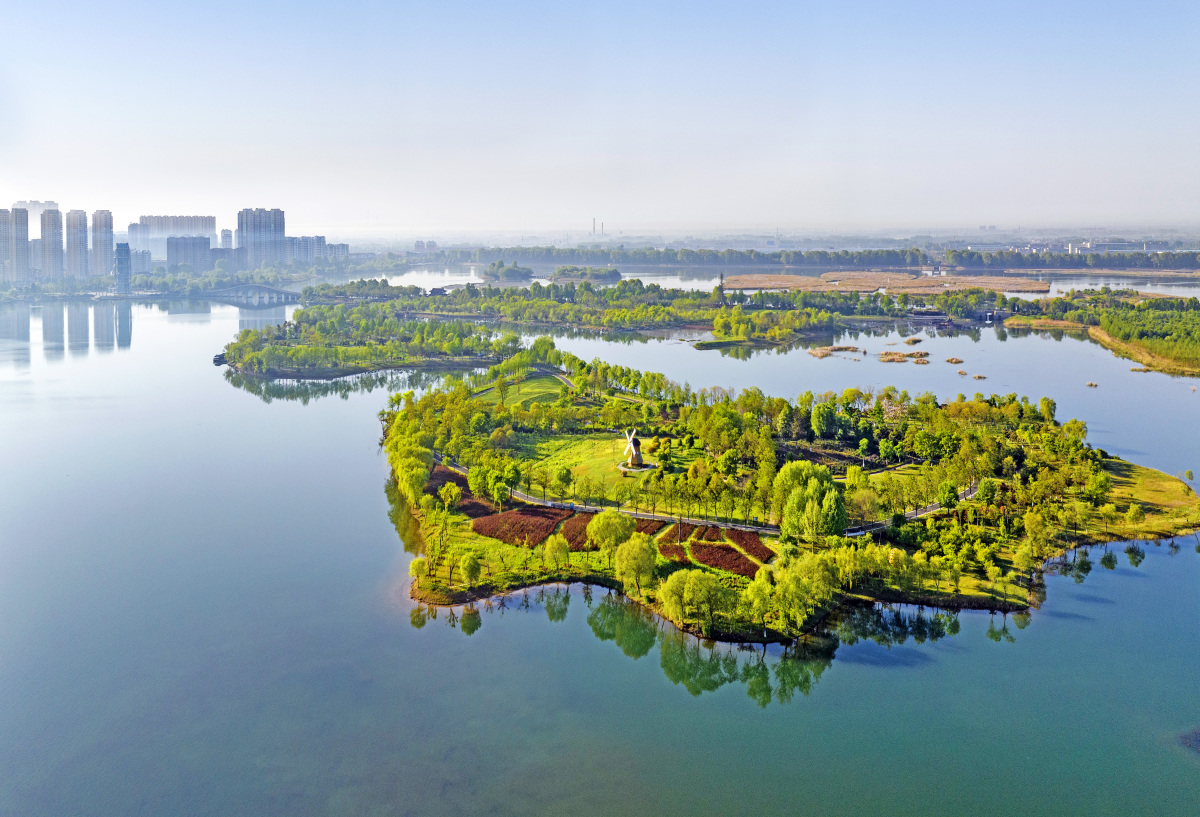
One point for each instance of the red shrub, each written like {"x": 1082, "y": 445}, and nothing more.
{"x": 469, "y": 505}
{"x": 680, "y": 532}
{"x": 724, "y": 558}
{"x": 575, "y": 530}
{"x": 531, "y": 523}
{"x": 675, "y": 553}
{"x": 650, "y": 526}
{"x": 711, "y": 534}
{"x": 749, "y": 541}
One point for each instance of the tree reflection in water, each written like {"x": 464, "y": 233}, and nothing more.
{"x": 268, "y": 390}
{"x": 767, "y": 673}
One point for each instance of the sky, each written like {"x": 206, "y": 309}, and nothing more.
{"x": 399, "y": 118}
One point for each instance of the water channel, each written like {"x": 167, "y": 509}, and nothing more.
{"x": 202, "y": 612}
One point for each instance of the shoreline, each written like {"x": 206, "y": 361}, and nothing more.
{"x": 1118, "y": 347}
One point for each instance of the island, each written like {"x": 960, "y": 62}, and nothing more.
{"x": 744, "y": 517}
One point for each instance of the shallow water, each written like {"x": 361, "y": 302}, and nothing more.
{"x": 202, "y": 612}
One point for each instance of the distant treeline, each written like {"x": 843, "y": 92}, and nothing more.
{"x": 650, "y": 256}
{"x": 1061, "y": 260}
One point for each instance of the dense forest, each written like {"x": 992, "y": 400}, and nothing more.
{"x": 1011, "y": 259}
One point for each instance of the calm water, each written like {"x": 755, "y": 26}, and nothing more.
{"x": 202, "y": 612}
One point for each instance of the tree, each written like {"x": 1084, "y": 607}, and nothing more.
{"x": 947, "y": 495}
{"x": 1047, "y": 407}
{"x": 558, "y": 549}
{"x": 986, "y": 494}
{"x": 450, "y": 494}
{"x": 1098, "y": 488}
{"x": 1036, "y": 532}
{"x": 993, "y": 573}
{"x": 1108, "y": 514}
{"x": 635, "y": 560}
{"x": 705, "y": 593}
{"x": 608, "y": 529}
{"x": 833, "y": 514}
{"x": 864, "y": 449}
{"x": 1023, "y": 560}
{"x": 1135, "y": 514}
{"x": 470, "y": 567}
{"x": 824, "y": 420}
{"x": 417, "y": 568}
{"x": 671, "y": 595}
{"x": 759, "y": 595}
{"x": 502, "y": 388}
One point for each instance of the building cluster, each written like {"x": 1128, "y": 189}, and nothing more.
{"x": 66, "y": 248}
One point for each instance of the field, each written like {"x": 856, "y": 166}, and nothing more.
{"x": 724, "y": 558}
{"x": 1171, "y": 506}
{"x": 710, "y": 533}
{"x": 540, "y": 389}
{"x": 528, "y": 523}
{"x": 469, "y": 505}
{"x": 894, "y": 282}
{"x": 679, "y": 532}
{"x": 750, "y": 542}
{"x": 650, "y": 526}
{"x": 674, "y": 553}
{"x": 575, "y": 530}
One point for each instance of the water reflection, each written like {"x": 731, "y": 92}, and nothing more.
{"x": 303, "y": 391}
{"x": 53, "y": 331}
{"x": 14, "y": 326}
{"x": 104, "y": 326}
{"x": 261, "y": 318}
{"x": 124, "y": 324}
{"x": 79, "y": 337}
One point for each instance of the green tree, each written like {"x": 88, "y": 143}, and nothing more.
{"x": 1135, "y": 514}
{"x": 417, "y": 568}
{"x": 635, "y": 560}
{"x": 947, "y": 495}
{"x": 608, "y": 529}
{"x": 558, "y": 549}
{"x": 1108, "y": 514}
{"x": 502, "y": 388}
{"x": 671, "y": 596}
{"x": 470, "y": 567}
{"x": 705, "y": 593}
{"x": 450, "y": 494}
{"x": 758, "y": 597}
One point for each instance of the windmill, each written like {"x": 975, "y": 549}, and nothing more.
{"x": 633, "y": 448}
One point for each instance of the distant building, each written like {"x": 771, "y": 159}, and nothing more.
{"x": 102, "y": 243}
{"x": 419, "y": 246}
{"x": 36, "y": 208}
{"x": 193, "y": 250}
{"x": 6, "y": 246}
{"x": 75, "y": 257}
{"x": 430, "y": 246}
{"x": 52, "y": 245}
{"x": 337, "y": 252}
{"x": 227, "y": 239}
{"x": 141, "y": 262}
{"x": 18, "y": 246}
{"x": 291, "y": 248}
{"x": 124, "y": 268}
{"x": 153, "y": 231}
{"x": 308, "y": 248}
{"x": 261, "y": 232}
{"x": 226, "y": 254}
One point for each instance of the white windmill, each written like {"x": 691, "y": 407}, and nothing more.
{"x": 633, "y": 448}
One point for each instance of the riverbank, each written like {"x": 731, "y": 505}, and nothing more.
{"x": 1120, "y": 348}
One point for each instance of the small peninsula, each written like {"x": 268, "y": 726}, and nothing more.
{"x": 744, "y": 517}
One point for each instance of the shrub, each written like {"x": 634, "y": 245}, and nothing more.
{"x": 529, "y": 523}
{"x": 650, "y": 526}
{"x": 575, "y": 530}
{"x": 674, "y": 553}
{"x": 725, "y": 558}
{"x": 749, "y": 541}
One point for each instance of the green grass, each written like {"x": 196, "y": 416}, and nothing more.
{"x": 542, "y": 389}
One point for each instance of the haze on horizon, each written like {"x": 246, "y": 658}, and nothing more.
{"x": 390, "y": 118}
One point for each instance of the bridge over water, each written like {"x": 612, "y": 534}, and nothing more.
{"x": 253, "y": 295}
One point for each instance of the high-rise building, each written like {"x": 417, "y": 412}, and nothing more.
{"x": 337, "y": 252}
{"x": 139, "y": 239}
{"x": 18, "y": 247}
{"x": 102, "y": 242}
{"x": 291, "y": 248}
{"x": 140, "y": 262}
{"x": 227, "y": 239}
{"x": 6, "y": 246}
{"x": 261, "y": 232}
{"x": 192, "y": 250}
{"x": 153, "y": 231}
{"x": 76, "y": 255}
{"x": 36, "y": 208}
{"x": 124, "y": 268}
{"x": 52, "y": 245}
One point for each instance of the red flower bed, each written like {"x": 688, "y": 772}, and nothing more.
{"x": 531, "y": 523}
{"x": 724, "y": 558}
{"x": 575, "y": 530}
{"x": 710, "y": 534}
{"x": 748, "y": 541}
{"x": 675, "y": 553}
{"x": 650, "y": 526}
{"x": 469, "y": 505}
{"x": 680, "y": 532}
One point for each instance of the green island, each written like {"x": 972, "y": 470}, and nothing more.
{"x": 370, "y": 325}
{"x": 744, "y": 517}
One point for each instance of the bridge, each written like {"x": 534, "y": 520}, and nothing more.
{"x": 252, "y": 295}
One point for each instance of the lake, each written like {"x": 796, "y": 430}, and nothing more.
{"x": 203, "y": 612}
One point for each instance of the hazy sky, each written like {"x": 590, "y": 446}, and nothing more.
{"x": 402, "y": 118}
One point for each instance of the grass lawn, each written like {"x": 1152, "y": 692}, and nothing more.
{"x": 542, "y": 389}
{"x": 1171, "y": 506}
